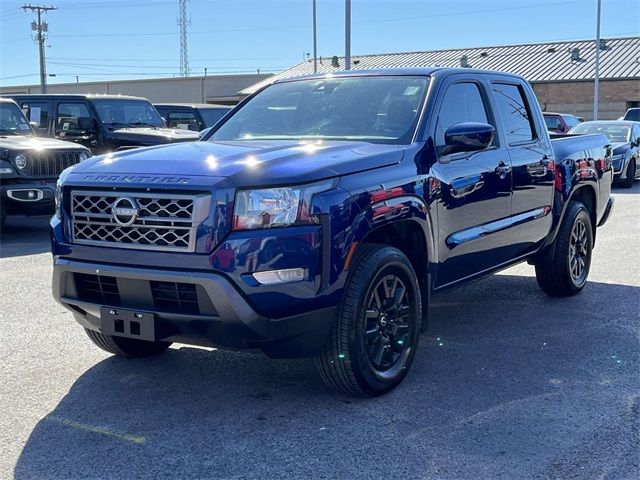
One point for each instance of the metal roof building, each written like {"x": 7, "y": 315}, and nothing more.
{"x": 541, "y": 63}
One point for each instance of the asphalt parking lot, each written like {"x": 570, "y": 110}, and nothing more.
{"x": 507, "y": 383}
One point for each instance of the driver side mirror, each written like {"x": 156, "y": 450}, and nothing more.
{"x": 467, "y": 137}
{"x": 87, "y": 124}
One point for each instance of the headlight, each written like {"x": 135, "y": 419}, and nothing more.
{"x": 275, "y": 207}
{"x": 83, "y": 156}
{"x": 20, "y": 161}
{"x": 58, "y": 199}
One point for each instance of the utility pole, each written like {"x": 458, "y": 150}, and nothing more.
{"x": 41, "y": 28}
{"x": 597, "y": 75}
{"x": 315, "y": 40}
{"x": 183, "y": 23}
{"x": 347, "y": 35}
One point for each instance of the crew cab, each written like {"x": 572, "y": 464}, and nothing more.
{"x": 29, "y": 166}
{"x": 321, "y": 215}
{"x": 191, "y": 116}
{"x": 102, "y": 123}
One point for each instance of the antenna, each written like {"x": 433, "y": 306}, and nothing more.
{"x": 183, "y": 23}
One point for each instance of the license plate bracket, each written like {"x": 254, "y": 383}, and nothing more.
{"x": 121, "y": 322}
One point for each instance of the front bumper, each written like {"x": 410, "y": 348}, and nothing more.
{"x": 223, "y": 318}
{"x": 28, "y": 197}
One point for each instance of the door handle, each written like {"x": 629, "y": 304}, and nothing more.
{"x": 542, "y": 169}
{"x": 502, "y": 170}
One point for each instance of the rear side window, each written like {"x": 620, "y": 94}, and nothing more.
{"x": 69, "y": 115}
{"x": 37, "y": 112}
{"x": 183, "y": 120}
{"x": 461, "y": 103}
{"x": 515, "y": 113}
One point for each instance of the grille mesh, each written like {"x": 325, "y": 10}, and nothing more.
{"x": 175, "y": 297}
{"x": 49, "y": 163}
{"x": 161, "y": 222}
{"x": 97, "y": 289}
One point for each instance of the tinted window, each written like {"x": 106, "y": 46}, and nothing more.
{"x": 69, "y": 115}
{"x": 515, "y": 112}
{"x": 571, "y": 121}
{"x": 211, "y": 116}
{"x": 633, "y": 114}
{"x": 552, "y": 122}
{"x": 12, "y": 121}
{"x": 183, "y": 120}
{"x": 381, "y": 109}
{"x": 462, "y": 103}
{"x": 37, "y": 112}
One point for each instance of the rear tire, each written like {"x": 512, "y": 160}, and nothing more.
{"x": 377, "y": 327}
{"x": 567, "y": 273}
{"x": 126, "y": 347}
{"x": 631, "y": 174}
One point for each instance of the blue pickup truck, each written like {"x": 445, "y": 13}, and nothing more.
{"x": 321, "y": 215}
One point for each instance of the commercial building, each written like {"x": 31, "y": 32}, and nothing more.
{"x": 562, "y": 73}
{"x": 222, "y": 89}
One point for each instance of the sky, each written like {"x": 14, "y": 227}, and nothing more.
{"x": 124, "y": 39}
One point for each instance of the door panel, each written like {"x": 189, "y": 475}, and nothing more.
{"x": 474, "y": 205}
{"x": 532, "y": 163}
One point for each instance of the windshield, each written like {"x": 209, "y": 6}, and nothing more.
{"x": 13, "y": 121}
{"x": 373, "y": 109}
{"x": 615, "y": 132}
{"x": 633, "y": 114}
{"x": 127, "y": 113}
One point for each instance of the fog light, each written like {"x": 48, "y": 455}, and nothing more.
{"x": 6, "y": 171}
{"x": 273, "y": 277}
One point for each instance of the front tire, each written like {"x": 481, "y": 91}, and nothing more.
{"x": 377, "y": 327}
{"x": 567, "y": 273}
{"x": 126, "y": 347}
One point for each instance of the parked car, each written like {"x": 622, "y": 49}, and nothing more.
{"x": 191, "y": 116}
{"x": 347, "y": 201}
{"x": 633, "y": 114}
{"x": 625, "y": 140}
{"x": 102, "y": 123}
{"x": 29, "y": 166}
{"x": 560, "y": 122}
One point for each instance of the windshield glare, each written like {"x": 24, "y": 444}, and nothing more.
{"x": 13, "y": 121}
{"x": 134, "y": 113}
{"x": 614, "y": 132}
{"x": 372, "y": 109}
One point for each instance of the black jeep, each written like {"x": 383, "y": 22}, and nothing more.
{"x": 29, "y": 165}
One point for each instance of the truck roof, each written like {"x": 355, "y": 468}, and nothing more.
{"x": 89, "y": 96}
{"x": 417, "y": 71}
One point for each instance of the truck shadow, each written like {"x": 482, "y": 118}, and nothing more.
{"x": 502, "y": 373}
{"x": 24, "y": 236}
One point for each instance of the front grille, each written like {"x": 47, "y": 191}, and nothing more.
{"x": 49, "y": 163}
{"x": 148, "y": 221}
{"x": 97, "y": 289}
{"x": 175, "y": 297}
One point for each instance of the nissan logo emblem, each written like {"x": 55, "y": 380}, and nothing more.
{"x": 124, "y": 211}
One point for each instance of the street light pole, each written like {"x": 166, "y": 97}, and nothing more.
{"x": 597, "y": 73}
{"x": 315, "y": 40}
{"x": 347, "y": 35}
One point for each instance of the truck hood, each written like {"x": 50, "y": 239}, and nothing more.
{"x": 17, "y": 142}
{"x": 248, "y": 163}
{"x": 154, "y": 136}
